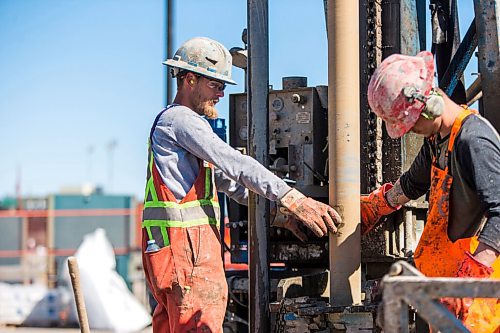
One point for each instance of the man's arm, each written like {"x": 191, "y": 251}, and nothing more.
{"x": 395, "y": 196}
{"x": 485, "y": 254}
{"x": 416, "y": 181}
{"x": 388, "y": 198}
{"x": 195, "y": 135}
{"x": 231, "y": 188}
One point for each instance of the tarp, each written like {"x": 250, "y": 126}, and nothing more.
{"x": 110, "y": 304}
{"x": 35, "y": 305}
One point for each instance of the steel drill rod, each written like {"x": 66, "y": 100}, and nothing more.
{"x": 258, "y": 126}
{"x": 344, "y": 150}
{"x": 74, "y": 273}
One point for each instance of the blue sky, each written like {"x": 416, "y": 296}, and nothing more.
{"x": 79, "y": 77}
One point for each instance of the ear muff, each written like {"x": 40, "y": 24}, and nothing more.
{"x": 434, "y": 105}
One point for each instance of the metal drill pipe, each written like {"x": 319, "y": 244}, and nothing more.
{"x": 488, "y": 30}
{"x": 169, "y": 26}
{"x": 74, "y": 273}
{"x": 344, "y": 149}
{"x": 258, "y": 207}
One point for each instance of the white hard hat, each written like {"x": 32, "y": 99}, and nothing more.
{"x": 203, "y": 56}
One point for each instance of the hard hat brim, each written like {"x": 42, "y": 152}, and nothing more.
{"x": 173, "y": 63}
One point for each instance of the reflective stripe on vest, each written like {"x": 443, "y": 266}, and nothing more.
{"x": 194, "y": 210}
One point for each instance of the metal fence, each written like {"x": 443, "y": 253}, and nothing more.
{"x": 405, "y": 285}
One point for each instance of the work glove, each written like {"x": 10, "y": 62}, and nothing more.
{"x": 317, "y": 216}
{"x": 281, "y": 218}
{"x": 374, "y": 206}
{"x": 477, "y": 314}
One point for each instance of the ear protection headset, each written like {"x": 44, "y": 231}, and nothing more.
{"x": 434, "y": 103}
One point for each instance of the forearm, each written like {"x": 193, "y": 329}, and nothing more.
{"x": 231, "y": 188}
{"x": 490, "y": 232}
{"x": 395, "y": 196}
{"x": 485, "y": 254}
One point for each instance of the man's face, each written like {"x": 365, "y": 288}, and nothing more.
{"x": 207, "y": 95}
{"x": 426, "y": 127}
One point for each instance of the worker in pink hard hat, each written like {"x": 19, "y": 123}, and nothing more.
{"x": 387, "y": 98}
{"x": 459, "y": 163}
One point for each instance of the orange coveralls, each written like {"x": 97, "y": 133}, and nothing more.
{"x": 186, "y": 276}
{"x": 437, "y": 256}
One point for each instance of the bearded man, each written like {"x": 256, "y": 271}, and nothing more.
{"x": 187, "y": 163}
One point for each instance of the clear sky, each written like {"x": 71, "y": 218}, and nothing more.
{"x": 81, "y": 81}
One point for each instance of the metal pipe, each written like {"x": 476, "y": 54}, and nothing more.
{"x": 169, "y": 43}
{"x": 488, "y": 30}
{"x": 474, "y": 89}
{"x": 454, "y": 72}
{"x": 24, "y": 246}
{"x": 421, "y": 19}
{"x": 344, "y": 149}
{"x": 51, "y": 260}
{"x": 408, "y": 231}
{"x": 258, "y": 207}
{"x": 445, "y": 42}
{"x": 391, "y": 27}
{"x": 391, "y": 43}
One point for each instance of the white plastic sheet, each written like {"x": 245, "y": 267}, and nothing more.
{"x": 110, "y": 305}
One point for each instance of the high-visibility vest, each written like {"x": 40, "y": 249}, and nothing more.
{"x": 162, "y": 211}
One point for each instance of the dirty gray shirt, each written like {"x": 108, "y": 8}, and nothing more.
{"x": 181, "y": 137}
{"x": 475, "y": 191}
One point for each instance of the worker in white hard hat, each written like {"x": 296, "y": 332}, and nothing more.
{"x": 188, "y": 164}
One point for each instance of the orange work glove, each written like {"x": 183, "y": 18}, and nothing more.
{"x": 373, "y": 207}
{"x": 477, "y": 314}
{"x": 315, "y": 215}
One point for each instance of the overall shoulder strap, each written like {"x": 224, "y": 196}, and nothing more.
{"x": 157, "y": 119}
{"x": 456, "y": 127}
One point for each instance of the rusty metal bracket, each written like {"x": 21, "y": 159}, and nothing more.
{"x": 405, "y": 285}
{"x": 460, "y": 60}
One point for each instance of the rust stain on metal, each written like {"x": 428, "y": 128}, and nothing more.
{"x": 294, "y": 251}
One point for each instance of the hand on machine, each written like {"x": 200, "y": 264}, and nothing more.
{"x": 317, "y": 216}
{"x": 281, "y": 218}
{"x": 373, "y": 207}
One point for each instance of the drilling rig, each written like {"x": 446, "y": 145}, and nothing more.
{"x": 326, "y": 142}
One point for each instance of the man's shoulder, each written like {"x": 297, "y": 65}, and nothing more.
{"x": 476, "y": 136}
{"x": 176, "y": 111}
{"x": 180, "y": 116}
{"x": 475, "y": 129}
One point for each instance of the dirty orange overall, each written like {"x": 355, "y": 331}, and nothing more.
{"x": 186, "y": 275}
{"x": 436, "y": 255}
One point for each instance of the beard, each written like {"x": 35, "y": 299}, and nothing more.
{"x": 206, "y": 108}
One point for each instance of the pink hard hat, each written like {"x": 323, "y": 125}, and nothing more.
{"x": 385, "y": 94}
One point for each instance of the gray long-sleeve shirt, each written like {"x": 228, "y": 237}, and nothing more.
{"x": 182, "y": 136}
{"x": 475, "y": 193}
